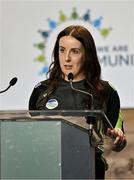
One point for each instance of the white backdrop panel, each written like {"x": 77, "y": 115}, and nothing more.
{"x": 20, "y": 21}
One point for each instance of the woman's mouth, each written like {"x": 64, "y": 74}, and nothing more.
{"x": 68, "y": 67}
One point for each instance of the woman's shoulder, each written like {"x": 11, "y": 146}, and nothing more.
{"x": 110, "y": 92}
{"x": 39, "y": 88}
{"x": 42, "y": 84}
{"x": 108, "y": 86}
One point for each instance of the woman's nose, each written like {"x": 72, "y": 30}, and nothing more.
{"x": 68, "y": 57}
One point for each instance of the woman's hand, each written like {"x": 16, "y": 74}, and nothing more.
{"x": 119, "y": 139}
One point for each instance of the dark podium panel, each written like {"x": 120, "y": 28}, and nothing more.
{"x": 44, "y": 145}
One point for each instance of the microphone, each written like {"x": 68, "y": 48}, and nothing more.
{"x": 11, "y": 83}
{"x": 70, "y": 78}
{"x": 91, "y": 120}
{"x": 94, "y": 138}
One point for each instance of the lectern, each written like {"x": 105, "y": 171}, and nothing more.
{"x": 47, "y": 144}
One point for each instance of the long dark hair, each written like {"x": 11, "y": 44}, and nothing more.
{"x": 91, "y": 67}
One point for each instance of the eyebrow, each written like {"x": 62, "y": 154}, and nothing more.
{"x": 71, "y": 48}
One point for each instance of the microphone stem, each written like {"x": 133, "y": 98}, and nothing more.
{"x": 92, "y": 100}
{"x": 5, "y": 89}
{"x": 91, "y": 120}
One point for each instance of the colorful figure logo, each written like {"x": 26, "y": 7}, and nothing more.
{"x": 52, "y": 25}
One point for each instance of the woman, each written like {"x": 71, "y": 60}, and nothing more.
{"x": 75, "y": 53}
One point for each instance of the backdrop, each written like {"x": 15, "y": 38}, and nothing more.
{"x": 28, "y": 30}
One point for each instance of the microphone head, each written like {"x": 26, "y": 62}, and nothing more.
{"x": 70, "y": 76}
{"x": 13, "y": 81}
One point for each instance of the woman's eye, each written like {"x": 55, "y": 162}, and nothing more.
{"x": 61, "y": 50}
{"x": 75, "y": 51}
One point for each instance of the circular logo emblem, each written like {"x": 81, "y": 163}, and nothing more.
{"x": 51, "y": 104}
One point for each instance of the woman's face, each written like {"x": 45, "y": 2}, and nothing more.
{"x": 71, "y": 57}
